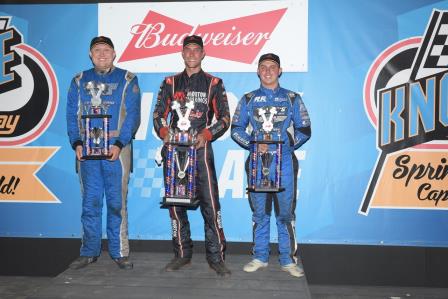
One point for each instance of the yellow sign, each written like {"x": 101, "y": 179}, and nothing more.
{"x": 412, "y": 178}
{"x": 18, "y": 169}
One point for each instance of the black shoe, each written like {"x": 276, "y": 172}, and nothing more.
{"x": 82, "y": 262}
{"x": 220, "y": 269}
{"x": 177, "y": 263}
{"x": 124, "y": 263}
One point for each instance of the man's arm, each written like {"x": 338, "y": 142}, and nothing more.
{"x": 220, "y": 107}
{"x": 72, "y": 112}
{"x": 301, "y": 120}
{"x": 240, "y": 121}
{"x": 162, "y": 109}
{"x": 132, "y": 104}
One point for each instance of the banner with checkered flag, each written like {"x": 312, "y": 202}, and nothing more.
{"x": 432, "y": 56}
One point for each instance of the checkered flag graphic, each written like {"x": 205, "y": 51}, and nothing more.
{"x": 432, "y": 56}
{"x": 147, "y": 179}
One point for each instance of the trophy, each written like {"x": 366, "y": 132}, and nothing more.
{"x": 180, "y": 162}
{"x": 96, "y": 123}
{"x": 265, "y": 168}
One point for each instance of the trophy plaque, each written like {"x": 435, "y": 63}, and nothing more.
{"x": 265, "y": 168}
{"x": 96, "y": 124}
{"x": 181, "y": 162}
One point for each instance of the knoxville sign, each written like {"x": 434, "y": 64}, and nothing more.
{"x": 28, "y": 104}
{"x": 406, "y": 99}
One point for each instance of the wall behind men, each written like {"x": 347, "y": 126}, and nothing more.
{"x": 347, "y": 53}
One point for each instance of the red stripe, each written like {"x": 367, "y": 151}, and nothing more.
{"x": 218, "y": 234}
{"x": 167, "y": 109}
{"x": 215, "y": 109}
{"x": 209, "y": 180}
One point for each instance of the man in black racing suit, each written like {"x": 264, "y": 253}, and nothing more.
{"x": 210, "y": 101}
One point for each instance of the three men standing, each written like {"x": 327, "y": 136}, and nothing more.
{"x": 208, "y": 116}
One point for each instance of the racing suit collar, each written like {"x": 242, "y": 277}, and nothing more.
{"x": 186, "y": 77}
{"x": 269, "y": 91}
{"x": 104, "y": 73}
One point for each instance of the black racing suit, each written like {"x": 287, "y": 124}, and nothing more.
{"x": 210, "y": 101}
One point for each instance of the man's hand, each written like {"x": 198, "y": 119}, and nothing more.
{"x": 166, "y": 139}
{"x": 79, "y": 153}
{"x": 200, "y": 141}
{"x": 114, "y": 152}
{"x": 263, "y": 147}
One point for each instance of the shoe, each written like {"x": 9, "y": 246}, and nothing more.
{"x": 254, "y": 265}
{"x": 177, "y": 263}
{"x": 220, "y": 269}
{"x": 82, "y": 262}
{"x": 124, "y": 263}
{"x": 293, "y": 270}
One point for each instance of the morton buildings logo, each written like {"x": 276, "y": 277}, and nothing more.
{"x": 28, "y": 103}
{"x": 406, "y": 99}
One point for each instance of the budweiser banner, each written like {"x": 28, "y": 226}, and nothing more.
{"x": 149, "y": 35}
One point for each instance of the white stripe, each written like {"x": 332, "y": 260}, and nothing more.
{"x": 178, "y": 232}
{"x": 123, "y": 206}
{"x": 293, "y": 226}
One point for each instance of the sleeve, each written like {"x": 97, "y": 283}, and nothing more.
{"x": 72, "y": 113}
{"x": 240, "y": 121}
{"x": 220, "y": 107}
{"x": 301, "y": 122}
{"x": 132, "y": 101}
{"x": 162, "y": 109}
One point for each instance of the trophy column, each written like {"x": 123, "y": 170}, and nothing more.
{"x": 180, "y": 162}
{"x": 261, "y": 178}
{"x": 180, "y": 172}
{"x": 96, "y": 123}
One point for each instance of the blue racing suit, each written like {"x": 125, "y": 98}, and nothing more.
{"x": 99, "y": 177}
{"x": 292, "y": 122}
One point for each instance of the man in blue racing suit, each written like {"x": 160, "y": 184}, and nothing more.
{"x": 119, "y": 93}
{"x": 289, "y": 119}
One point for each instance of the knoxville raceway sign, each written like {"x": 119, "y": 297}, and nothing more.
{"x": 406, "y": 99}
{"x": 28, "y": 103}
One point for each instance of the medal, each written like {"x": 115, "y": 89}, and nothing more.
{"x": 181, "y": 174}
{"x": 182, "y": 170}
